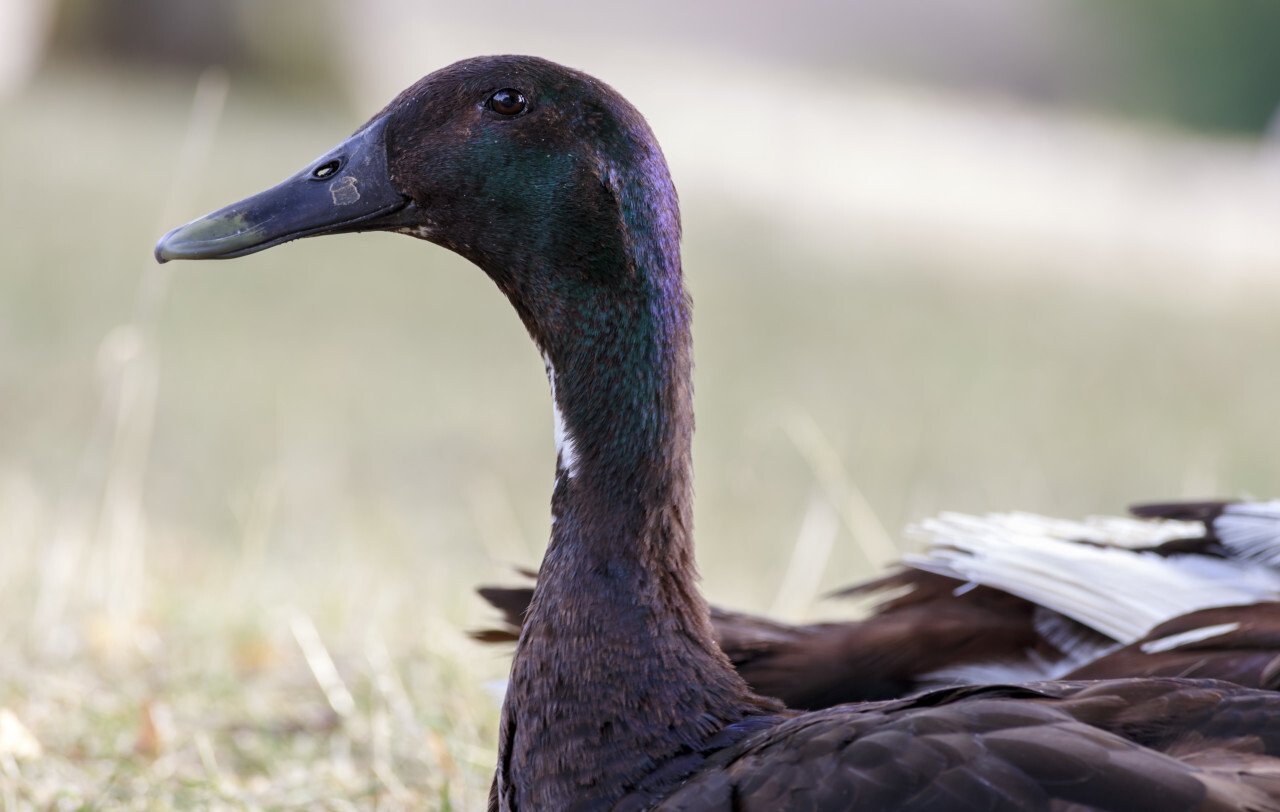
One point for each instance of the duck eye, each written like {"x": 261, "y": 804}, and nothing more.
{"x": 326, "y": 170}
{"x": 507, "y": 102}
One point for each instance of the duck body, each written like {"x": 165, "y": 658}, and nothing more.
{"x": 1117, "y": 745}
{"x": 619, "y": 698}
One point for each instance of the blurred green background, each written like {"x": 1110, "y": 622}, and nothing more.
{"x": 981, "y": 255}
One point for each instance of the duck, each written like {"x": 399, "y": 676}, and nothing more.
{"x": 1186, "y": 589}
{"x": 554, "y": 185}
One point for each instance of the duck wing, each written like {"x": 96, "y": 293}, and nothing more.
{"x": 1239, "y": 644}
{"x": 1014, "y": 598}
{"x": 887, "y": 655}
{"x": 513, "y": 602}
{"x": 894, "y": 651}
{"x": 1248, "y": 530}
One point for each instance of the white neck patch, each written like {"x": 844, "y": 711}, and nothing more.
{"x": 566, "y": 453}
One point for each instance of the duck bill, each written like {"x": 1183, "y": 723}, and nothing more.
{"x": 346, "y": 189}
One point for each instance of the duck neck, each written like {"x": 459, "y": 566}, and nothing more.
{"x": 616, "y": 670}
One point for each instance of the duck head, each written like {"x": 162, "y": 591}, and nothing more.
{"x": 545, "y": 177}
{"x": 554, "y": 185}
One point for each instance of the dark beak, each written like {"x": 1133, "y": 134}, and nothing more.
{"x": 346, "y": 189}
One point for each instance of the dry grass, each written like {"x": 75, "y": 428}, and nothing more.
{"x": 239, "y": 525}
